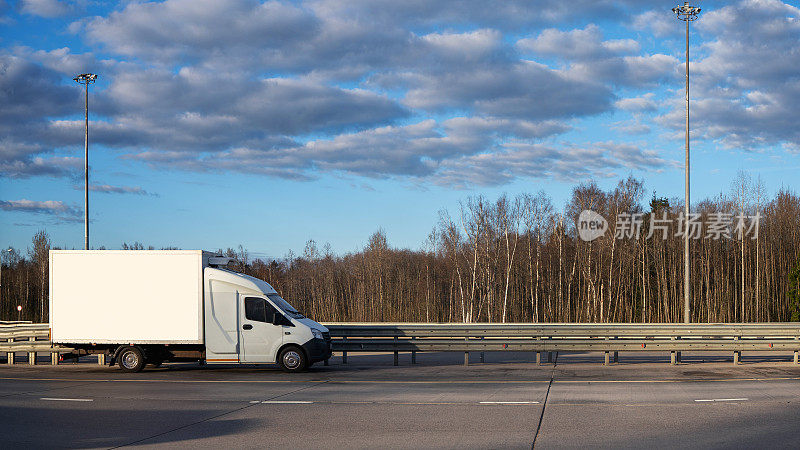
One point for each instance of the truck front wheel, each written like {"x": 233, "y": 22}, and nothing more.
{"x": 131, "y": 359}
{"x": 293, "y": 359}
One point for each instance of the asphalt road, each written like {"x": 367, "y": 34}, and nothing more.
{"x": 506, "y": 402}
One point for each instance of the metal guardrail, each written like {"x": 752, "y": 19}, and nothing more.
{"x": 478, "y": 337}
{"x": 548, "y": 337}
{"x": 13, "y": 331}
{"x": 31, "y": 338}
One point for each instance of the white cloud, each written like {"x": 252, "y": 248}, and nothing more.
{"x": 661, "y": 22}
{"x": 190, "y": 29}
{"x": 523, "y": 90}
{"x": 503, "y": 14}
{"x": 473, "y": 45}
{"x": 592, "y": 59}
{"x": 643, "y": 103}
{"x": 579, "y": 44}
{"x": 58, "y": 209}
{"x": 18, "y": 160}
{"x": 568, "y": 163}
{"x": 46, "y": 8}
{"x": 109, "y": 189}
{"x": 460, "y": 152}
{"x": 632, "y": 128}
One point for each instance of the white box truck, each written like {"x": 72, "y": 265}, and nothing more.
{"x": 149, "y": 306}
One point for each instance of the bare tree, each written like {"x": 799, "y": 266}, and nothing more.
{"x": 40, "y": 254}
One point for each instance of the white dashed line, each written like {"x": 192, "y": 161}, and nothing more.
{"x": 287, "y": 402}
{"x": 508, "y": 403}
{"x": 723, "y": 400}
{"x": 67, "y": 399}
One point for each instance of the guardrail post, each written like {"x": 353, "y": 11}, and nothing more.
{"x": 396, "y": 353}
{"x": 797, "y": 352}
{"x": 605, "y": 358}
{"x": 673, "y": 358}
{"x": 10, "y": 355}
{"x": 466, "y": 354}
{"x": 101, "y": 359}
{"x": 482, "y": 359}
{"x": 344, "y": 353}
{"x": 32, "y": 355}
{"x": 413, "y": 353}
{"x": 538, "y": 358}
{"x": 54, "y": 358}
{"x": 736, "y": 357}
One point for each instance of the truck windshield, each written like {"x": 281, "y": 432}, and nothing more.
{"x": 285, "y": 306}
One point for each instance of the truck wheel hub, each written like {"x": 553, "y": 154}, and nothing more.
{"x": 291, "y": 359}
{"x": 130, "y": 360}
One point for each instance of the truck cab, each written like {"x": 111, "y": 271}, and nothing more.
{"x": 246, "y": 321}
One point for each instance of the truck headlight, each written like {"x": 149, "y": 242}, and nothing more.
{"x": 316, "y": 333}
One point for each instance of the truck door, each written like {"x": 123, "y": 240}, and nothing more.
{"x": 260, "y": 339}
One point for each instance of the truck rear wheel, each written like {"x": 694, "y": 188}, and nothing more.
{"x": 131, "y": 359}
{"x": 292, "y": 359}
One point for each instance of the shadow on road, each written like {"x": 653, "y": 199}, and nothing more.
{"x": 94, "y": 425}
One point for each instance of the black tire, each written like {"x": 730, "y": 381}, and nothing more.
{"x": 131, "y": 359}
{"x": 293, "y": 359}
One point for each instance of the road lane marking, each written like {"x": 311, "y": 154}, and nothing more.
{"x": 386, "y": 402}
{"x": 287, "y": 402}
{"x": 508, "y": 403}
{"x": 67, "y": 399}
{"x": 723, "y": 400}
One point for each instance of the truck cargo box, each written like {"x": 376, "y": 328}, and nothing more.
{"x": 117, "y": 296}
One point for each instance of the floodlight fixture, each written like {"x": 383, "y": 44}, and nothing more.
{"x": 686, "y": 12}
{"x": 86, "y": 78}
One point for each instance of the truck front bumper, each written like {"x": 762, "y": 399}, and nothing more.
{"x": 317, "y": 350}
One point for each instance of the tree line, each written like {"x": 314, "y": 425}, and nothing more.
{"x": 520, "y": 259}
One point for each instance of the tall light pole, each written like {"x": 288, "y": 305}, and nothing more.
{"x": 86, "y": 79}
{"x": 686, "y": 13}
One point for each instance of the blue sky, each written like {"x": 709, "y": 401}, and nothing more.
{"x": 215, "y": 124}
